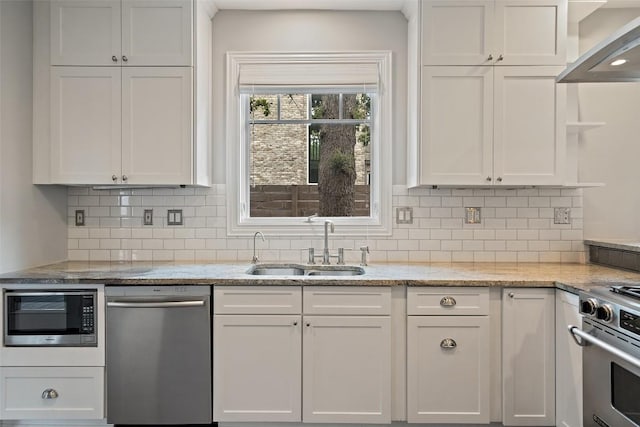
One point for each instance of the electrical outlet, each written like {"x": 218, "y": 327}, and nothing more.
{"x": 473, "y": 216}
{"x": 404, "y": 215}
{"x": 562, "y": 215}
{"x": 174, "y": 217}
{"x": 147, "y": 218}
{"x": 79, "y": 217}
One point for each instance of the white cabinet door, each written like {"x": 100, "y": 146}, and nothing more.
{"x": 457, "y": 125}
{"x": 568, "y": 362}
{"x": 457, "y": 32}
{"x": 46, "y": 393}
{"x": 531, "y": 32}
{"x": 504, "y": 32}
{"x": 529, "y": 131}
{"x": 85, "y": 125}
{"x": 156, "y": 125}
{"x": 257, "y": 368}
{"x": 528, "y": 357}
{"x": 448, "y": 369}
{"x": 347, "y": 369}
{"x": 85, "y": 32}
{"x": 157, "y": 32}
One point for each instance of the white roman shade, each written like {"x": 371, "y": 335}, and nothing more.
{"x": 357, "y": 71}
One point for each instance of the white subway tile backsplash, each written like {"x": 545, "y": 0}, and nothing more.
{"x": 517, "y": 225}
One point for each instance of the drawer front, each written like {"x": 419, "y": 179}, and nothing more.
{"x": 52, "y": 393}
{"x": 347, "y": 300}
{"x": 431, "y": 301}
{"x": 257, "y": 300}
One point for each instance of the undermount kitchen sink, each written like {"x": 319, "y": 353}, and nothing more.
{"x": 304, "y": 270}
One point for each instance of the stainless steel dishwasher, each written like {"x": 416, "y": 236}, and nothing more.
{"x": 158, "y": 357}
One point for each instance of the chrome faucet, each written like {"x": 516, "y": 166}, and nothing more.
{"x": 255, "y": 258}
{"x": 328, "y": 224}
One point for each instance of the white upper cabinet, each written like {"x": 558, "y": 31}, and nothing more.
{"x": 118, "y": 95}
{"x": 529, "y": 141}
{"x": 127, "y": 32}
{"x": 457, "y": 125}
{"x": 85, "y": 32}
{"x": 457, "y": 32}
{"x": 157, "y": 32}
{"x": 156, "y": 125}
{"x": 492, "y": 126}
{"x": 477, "y": 32}
{"x": 85, "y": 124}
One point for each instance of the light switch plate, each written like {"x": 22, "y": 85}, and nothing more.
{"x": 147, "y": 218}
{"x": 79, "y": 217}
{"x": 404, "y": 215}
{"x": 174, "y": 217}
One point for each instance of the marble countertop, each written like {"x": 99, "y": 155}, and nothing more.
{"x": 570, "y": 277}
{"x": 625, "y": 245}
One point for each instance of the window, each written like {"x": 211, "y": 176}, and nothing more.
{"x": 298, "y": 141}
{"x": 306, "y": 135}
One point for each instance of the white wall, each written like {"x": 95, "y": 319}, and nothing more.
{"x": 311, "y": 31}
{"x": 610, "y": 154}
{"x": 32, "y": 219}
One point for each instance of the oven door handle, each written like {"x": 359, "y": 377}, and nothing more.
{"x": 586, "y": 338}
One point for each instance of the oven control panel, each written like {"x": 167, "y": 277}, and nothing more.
{"x": 630, "y": 321}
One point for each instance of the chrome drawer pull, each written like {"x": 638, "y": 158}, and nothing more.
{"x": 50, "y": 394}
{"x": 448, "y": 343}
{"x": 447, "y": 302}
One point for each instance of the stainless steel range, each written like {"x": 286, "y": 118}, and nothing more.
{"x": 610, "y": 337}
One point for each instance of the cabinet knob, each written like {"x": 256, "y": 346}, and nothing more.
{"x": 447, "y": 301}
{"x": 125, "y": 59}
{"x": 511, "y": 295}
{"x": 124, "y": 178}
{"x": 500, "y": 58}
{"x": 490, "y": 57}
{"x": 114, "y": 58}
{"x": 308, "y": 324}
{"x": 499, "y": 179}
{"x": 489, "y": 178}
{"x": 50, "y": 394}
{"x": 448, "y": 343}
{"x": 295, "y": 323}
{"x": 114, "y": 178}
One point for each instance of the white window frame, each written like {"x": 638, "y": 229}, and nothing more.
{"x": 239, "y": 223}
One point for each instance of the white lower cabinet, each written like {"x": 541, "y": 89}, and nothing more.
{"x": 448, "y": 366}
{"x": 528, "y": 357}
{"x": 272, "y": 363}
{"x": 448, "y": 369}
{"x": 257, "y": 367}
{"x": 347, "y": 369}
{"x": 568, "y": 362}
{"x": 51, "y": 393}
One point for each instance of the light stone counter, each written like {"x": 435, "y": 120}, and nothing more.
{"x": 572, "y": 277}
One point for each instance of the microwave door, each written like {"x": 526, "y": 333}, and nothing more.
{"x": 49, "y": 318}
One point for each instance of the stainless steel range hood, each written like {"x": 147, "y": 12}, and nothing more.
{"x": 596, "y": 64}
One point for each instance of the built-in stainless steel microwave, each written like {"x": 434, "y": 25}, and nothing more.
{"x": 50, "y": 318}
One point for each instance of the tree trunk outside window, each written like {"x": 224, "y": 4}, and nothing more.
{"x": 337, "y": 169}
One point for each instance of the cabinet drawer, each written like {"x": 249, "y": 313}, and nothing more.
{"x": 431, "y": 301}
{"x": 74, "y": 393}
{"x": 257, "y": 300}
{"x": 347, "y": 300}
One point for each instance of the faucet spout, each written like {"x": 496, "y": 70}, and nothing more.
{"x": 255, "y": 258}
{"x": 328, "y": 225}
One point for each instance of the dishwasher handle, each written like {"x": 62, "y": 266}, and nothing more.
{"x": 155, "y": 304}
